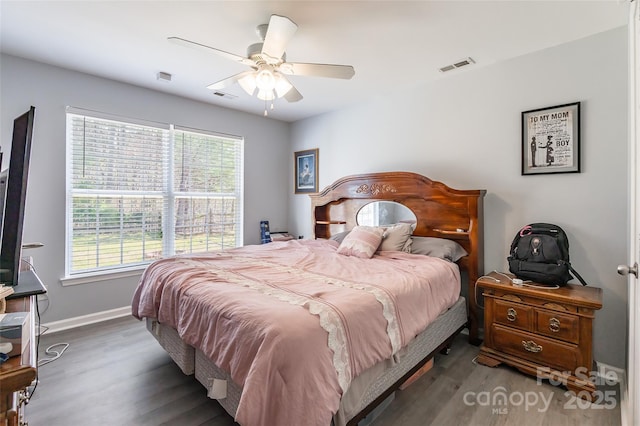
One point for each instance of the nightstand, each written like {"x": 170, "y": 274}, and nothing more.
{"x": 543, "y": 332}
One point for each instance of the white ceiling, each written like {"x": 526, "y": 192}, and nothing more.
{"x": 392, "y": 45}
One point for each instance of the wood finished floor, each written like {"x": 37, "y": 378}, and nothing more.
{"x": 115, "y": 374}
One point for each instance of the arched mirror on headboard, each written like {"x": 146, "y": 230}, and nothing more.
{"x": 380, "y": 213}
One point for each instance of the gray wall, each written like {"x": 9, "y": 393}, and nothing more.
{"x": 50, "y": 90}
{"x": 464, "y": 130}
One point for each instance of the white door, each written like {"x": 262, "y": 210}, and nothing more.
{"x": 631, "y": 396}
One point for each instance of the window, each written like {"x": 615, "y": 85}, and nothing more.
{"x": 139, "y": 191}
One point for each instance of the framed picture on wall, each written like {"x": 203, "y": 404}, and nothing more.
{"x": 551, "y": 140}
{"x": 305, "y": 166}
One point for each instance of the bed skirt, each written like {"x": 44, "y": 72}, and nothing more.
{"x": 207, "y": 372}
{"x": 181, "y": 353}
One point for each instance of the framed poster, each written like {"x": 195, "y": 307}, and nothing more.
{"x": 305, "y": 166}
{"x": 551, "y": 140}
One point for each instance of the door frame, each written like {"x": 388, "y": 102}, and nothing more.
{"x": 630, "y": 400}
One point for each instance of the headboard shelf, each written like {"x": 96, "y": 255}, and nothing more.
{"x": 441, "y": 211}
{"x": 462, "y": 234}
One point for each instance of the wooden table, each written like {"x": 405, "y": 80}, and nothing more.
{"x": 19, "y": 372}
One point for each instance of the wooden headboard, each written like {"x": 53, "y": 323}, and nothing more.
{"x": 440, "y": 211}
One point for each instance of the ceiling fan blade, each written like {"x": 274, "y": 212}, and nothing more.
{"x": 223, "y": 84}
{"x": 209, "y": 49}
{"x": 293, "y": 95}
{"x": 318, "y": 70}
{"x": 279, "y": 32}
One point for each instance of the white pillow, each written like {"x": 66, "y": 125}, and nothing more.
{"x": 396, "y": 236}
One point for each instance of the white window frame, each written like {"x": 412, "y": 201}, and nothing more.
{"x": 168, "y": 194}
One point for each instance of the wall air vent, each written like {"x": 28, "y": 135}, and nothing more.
{"x": 459, "y": 64}
{"x": 224, "y": 95}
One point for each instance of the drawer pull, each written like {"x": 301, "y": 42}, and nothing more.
{"x": 531, "y": 346}
{"x": 512, "y": 315}
{"x": 554, "y": 325}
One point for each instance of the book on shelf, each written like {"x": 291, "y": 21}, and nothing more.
{"x": 281, "y": 236}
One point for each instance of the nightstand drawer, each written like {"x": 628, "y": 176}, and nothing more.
{"x": 513, "y": 314}
{"x": 558, "y": 326}
{"x": 508, "y": 294}
{"x": 538, "y": 349}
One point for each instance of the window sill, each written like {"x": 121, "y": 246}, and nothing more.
{"x": 102, "y": 276}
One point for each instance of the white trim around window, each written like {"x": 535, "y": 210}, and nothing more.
{"x": 138, "y": 191}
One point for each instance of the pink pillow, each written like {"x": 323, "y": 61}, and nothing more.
{"x": 362, "y": 242}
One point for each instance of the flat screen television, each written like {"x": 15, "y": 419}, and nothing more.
{"x": 13, "y": 189}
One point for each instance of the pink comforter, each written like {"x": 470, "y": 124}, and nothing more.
{"x": 293, "y": 322}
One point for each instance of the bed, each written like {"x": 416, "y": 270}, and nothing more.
{"x": 321, "y": 331}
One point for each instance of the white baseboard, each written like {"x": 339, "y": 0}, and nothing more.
{"x": 65, "y": 324}
{"x": 610, "y": 373}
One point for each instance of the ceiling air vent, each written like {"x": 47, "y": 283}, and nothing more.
{"x": 163, "y": 76}
{"x": 459, "y": 64}
{"x": 224, "y": 94}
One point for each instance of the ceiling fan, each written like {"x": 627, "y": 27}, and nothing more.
{"x": 266, "y": 80}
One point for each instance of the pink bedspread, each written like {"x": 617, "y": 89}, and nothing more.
{"x": 294, "y": 322}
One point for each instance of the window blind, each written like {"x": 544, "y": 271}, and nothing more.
{"x": 137, "y": 192}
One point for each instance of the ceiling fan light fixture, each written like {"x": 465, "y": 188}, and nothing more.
{"x": 266, "y": 95}
{"x": 265, "y": 80}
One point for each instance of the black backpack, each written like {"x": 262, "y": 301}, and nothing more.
{"x": 540, "y": 252}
